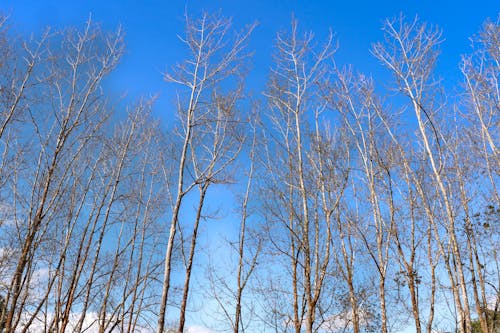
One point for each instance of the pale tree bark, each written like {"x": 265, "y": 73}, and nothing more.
{"x": 142, "y": 270}
{"x": 245, "y": 266}
{"x": 134, "y": 138}
{"x": 279, "y": 207}
{"x": 408, "y": 237}
{"x": 18, "y": 80}
{"x": 215, "y": 57}
{"x": 293, "y": 96}
{"x": 72, "y": 187}
{"x": 229, "y": 290}
{"x": 414, "y": 176}
{"x": 355, "y": 101}
{"x": 124, "y": 142}
{"x": 479, "y": 261}
{"x": 214, "y": 149}
{"x": 282, "y": 190}
{"x": 481, "y": 71}
{"x": 60, "y": 144}
{"x": 410, "y": 53}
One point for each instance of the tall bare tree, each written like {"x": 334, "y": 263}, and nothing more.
{"x": 311, "y": 186}
{"x": 215, "y": 59}
{"x": 231, "y": 291}
{"x": 72, "y": 94}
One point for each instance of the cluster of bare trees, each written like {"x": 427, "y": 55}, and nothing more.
{"x": 361, "y": 206}
{"x": 388, "y": 199}
{"x": 80, "y": 188}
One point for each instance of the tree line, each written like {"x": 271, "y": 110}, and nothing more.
{"x": 361, "y": 204}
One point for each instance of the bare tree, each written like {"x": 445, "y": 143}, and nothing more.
{"x": 356, "y": 103}
{"x": 311, "y": 185}
{"x": 68, "y": 202}
{"x": 17, "y": 75}
{"x": 215, "y": 58}
{"x": 480, "y": 103}
{"x": 214, "y": 148}
{"x": 246, "y": 266}
{"x": 60, "y": 138}
{"x": 376, "y": 211}
{"x": 229, "y": 290}
{"x": 410, "y": 53}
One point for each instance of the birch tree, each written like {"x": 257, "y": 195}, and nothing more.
{"x": 215, "y": 58}
{"x": 309, "y": 189}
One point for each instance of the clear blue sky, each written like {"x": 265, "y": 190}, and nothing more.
{"x": 152, "y": 27}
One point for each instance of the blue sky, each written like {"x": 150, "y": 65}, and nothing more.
{"x": 152, "y": 27}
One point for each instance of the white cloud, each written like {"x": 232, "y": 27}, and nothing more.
{"x": 90, "y": 324}
{"x": 7, "y": 217}
{"x": 492, "y": 302}
{"x": 342, "y": 321}
{"x": 198, "y": 329}
{"x": 38, "y": 324}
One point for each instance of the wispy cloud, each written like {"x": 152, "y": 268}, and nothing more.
{"x": 198, "y": 329}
